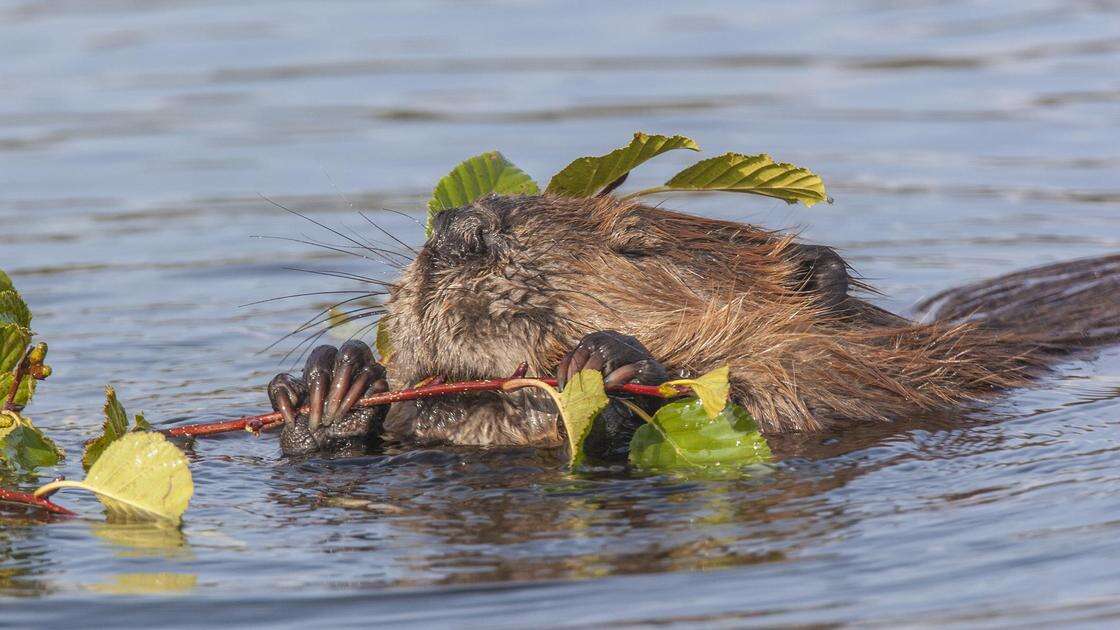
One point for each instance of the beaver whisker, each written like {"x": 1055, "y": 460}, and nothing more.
{"x": 307, "y": 344}
{"x": 386, "y": 233}
{"x": 310, "y": 220}
{"x": 295, "y": 295}
{"x": 312, "y": 322}
{"x": 344, "y": 275}
{"x": 340, "y": 250}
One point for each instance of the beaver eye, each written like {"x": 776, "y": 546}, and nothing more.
{"x": 462, "y": 233}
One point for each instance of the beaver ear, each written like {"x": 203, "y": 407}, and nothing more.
{"x": 821, "y": 271}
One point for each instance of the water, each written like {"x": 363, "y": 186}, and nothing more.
{"x": 960, "y": 140}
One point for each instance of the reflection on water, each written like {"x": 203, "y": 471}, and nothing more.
{"x": 137, "y": 540}
{"x": 959, "y": 139}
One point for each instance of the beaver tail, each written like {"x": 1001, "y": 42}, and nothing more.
{"x": 1063, "y": 307}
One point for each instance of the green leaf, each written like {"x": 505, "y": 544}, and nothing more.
{"x": 23, "y": 394}
{"x": 23, "y": 445}
{"x": 682, "y": 435}
{"x": 13, "y": 310}
{"x": 113, "y": 429}
{"x": 586, "y": 176}
{"x": 755, "y": 174}
{"x": 140, "y": 423}
{"x": 475, "y": 178}
{"x": 6, "y": 282}
{"x": 712, "y": 389}
{"x": 13, "y": 343}
{"x": 140, "y": 476}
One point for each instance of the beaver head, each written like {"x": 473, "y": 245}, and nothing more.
{"x": 512, "y": 279}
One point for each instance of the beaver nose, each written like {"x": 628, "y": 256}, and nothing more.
{"x": 463, "y": 232}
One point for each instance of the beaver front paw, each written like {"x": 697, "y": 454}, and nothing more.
{"x": 621, "y": 358}
{"x": 333, "y": 380}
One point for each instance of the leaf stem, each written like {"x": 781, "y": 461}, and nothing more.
{"x": 23, "y": 498}
{"x": 646, "y": 191}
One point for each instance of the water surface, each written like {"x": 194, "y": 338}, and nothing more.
{"x": 960, "y": 140}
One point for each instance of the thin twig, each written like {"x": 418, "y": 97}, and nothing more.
{"x": 23, "y": 498}
{"x": 265, "y": 421}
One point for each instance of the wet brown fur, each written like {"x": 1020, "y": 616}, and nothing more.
{"x": 514, "y": 279}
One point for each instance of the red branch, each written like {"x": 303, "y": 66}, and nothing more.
{"x": 24, "y": 498}
{"x": 270, "y": 420}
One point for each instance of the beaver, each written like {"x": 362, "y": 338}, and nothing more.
{"x": 644, "y": 294}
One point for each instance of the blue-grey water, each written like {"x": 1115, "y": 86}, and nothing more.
{"x": 959, "y": 139}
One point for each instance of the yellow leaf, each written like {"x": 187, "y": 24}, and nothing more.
{"x": 712, "y": 389}
{"x": 582, "y": 399}
{"x": 140, "y": 477}
{"x": 382, "y": 342}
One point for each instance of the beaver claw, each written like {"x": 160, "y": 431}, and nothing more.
{"x": 333, "y": 380}
{"x": 621, "y": 358}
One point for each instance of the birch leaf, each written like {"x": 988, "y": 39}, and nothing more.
{"x": 475, "y": 178}
{"x": 581, "y": 401}
{"x": 754, "y": 174}
{"x": 712, "y": 389}
{"x": 586, "y": 176}
{"x": 139, "y": 477}
{"x": 682, "y": 435}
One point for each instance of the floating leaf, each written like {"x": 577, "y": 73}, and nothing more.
{"x": 586, "y": 176}
{"x": 114, "y": 428}
{"x": 382, "y": 343}
{"x": 755, "y": 174}
{"x": 140, "y": 476}
{"x": 475, "y": 178}
{"x": 712, "y": 389}
{"x": 682, "y": 435}
{"x": 23, "y": 445}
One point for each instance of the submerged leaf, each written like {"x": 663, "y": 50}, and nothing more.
{"x": 682, "y": 435}
{"x": 140, "y": 476}
{"x": 755, "y": 174}
{"x": 23, "y": 445}
{"x": 712, "y": 389}
{"x": 475, "y": 178}
{"x": 586, "y": 176}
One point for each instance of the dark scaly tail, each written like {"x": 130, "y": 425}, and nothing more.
{"x": 1063, "y": 307}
